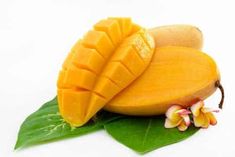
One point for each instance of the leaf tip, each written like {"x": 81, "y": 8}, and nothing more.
{"x": 17, "y": 145}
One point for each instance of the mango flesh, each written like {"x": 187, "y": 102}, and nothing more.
{"x": 99, "y": 66}
{"x": 177, "y": 35}
{"x": 176, "y": 75}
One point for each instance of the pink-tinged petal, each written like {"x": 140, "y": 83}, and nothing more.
{"x": 182, "y": 126}
{"x": 183, "y": 112}
{"x": 171, "y": 113}
{"x": 199, "y": 120}
{"x": 211, "y": 118}
{"x": 186, "y": 119}
{"x": 196, "y": 108}
{"x": 171, "y": 124}
{"x": 206, "y": 110}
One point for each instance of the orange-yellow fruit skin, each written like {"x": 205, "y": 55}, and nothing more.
{"x": 177, "y": 35}
{"x": 176, "y": 75}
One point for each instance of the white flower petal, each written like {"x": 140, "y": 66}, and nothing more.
{"x": 171, "y": 113}
{"x": 207, "y": 109}
{"x": 212, "y": 118}
{"x": 206, "y": 122}
{"x": 196, "y": 108}
{"x": 171, "y": 124}
{"x": 186, "y": 119}
{"x": 199, "y": 120}
{"x": 183, "y": 112}
{"x": 182, "y": 126}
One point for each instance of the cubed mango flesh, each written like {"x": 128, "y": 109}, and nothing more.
{"x": 99, "y": 66}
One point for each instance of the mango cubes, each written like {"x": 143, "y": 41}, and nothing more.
{"x": 99, "y": 66}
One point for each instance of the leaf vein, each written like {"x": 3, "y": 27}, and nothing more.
{"x": 147, "y": 131}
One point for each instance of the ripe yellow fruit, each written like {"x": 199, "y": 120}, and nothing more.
{"x": 176, "y": 75}
{"x": 99, "y": 66}
{"x": 177, "y": 35}
{"x": 116, "y": 66}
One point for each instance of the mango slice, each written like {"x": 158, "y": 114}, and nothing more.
{"x": 99, "y": 66}
{"x": 176, "y": 75}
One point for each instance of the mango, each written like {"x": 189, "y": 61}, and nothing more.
{"x": 108, "y": 58}
{"x": 176, "y": 75}
{"x": 177, "y": 35}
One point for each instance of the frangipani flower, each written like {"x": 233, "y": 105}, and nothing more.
{"x": 203, "y": 116}
{"x": 177, "y": 116}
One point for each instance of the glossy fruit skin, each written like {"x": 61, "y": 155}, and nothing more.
{"x": 177, "y": 35}
{"x": 176, "y": 75}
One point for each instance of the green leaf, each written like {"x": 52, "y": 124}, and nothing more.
{"x": 46, "y": 124}
{"x": 144, "y": 134}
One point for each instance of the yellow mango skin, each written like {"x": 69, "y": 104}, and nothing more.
{"x": 99, "y": 66}
{"x": 176, "y": 75}
{"x": 177, "y": 35}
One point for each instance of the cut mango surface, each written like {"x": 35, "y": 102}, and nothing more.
{"x": 104, "y": 62}
{"x": 176, "y": 75}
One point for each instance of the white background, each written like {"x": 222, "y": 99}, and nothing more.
{"x": 35, "y": 37}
